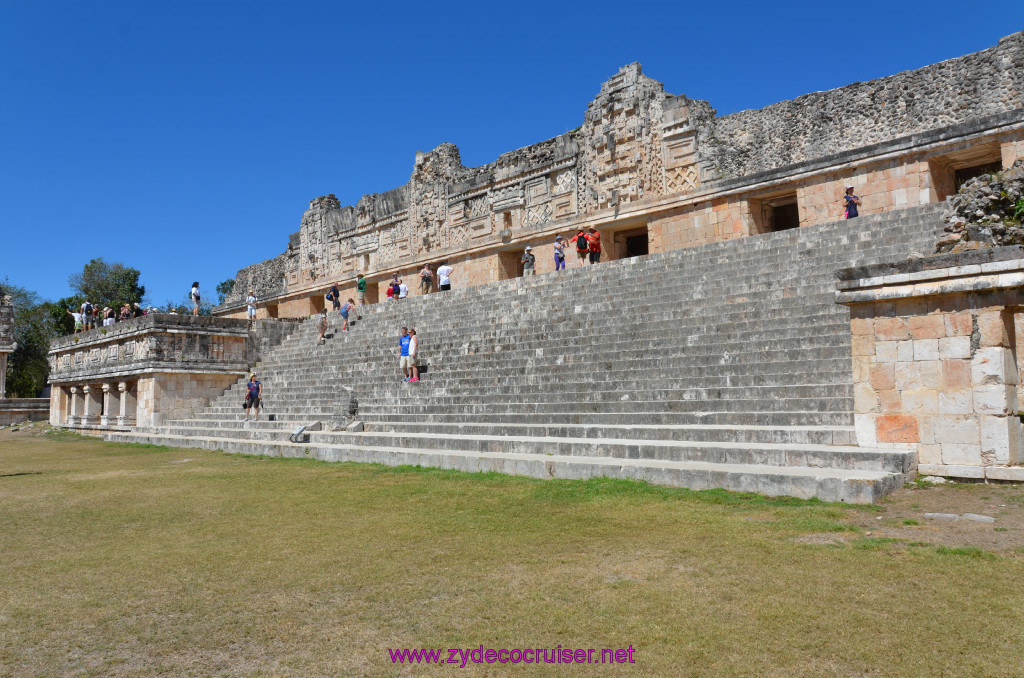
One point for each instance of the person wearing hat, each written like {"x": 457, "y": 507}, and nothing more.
{"x": 559, "y": 253}
{"x": 528, "y": 261}
{"x": 253, "y": 397}
{"x": 851, "y": 201}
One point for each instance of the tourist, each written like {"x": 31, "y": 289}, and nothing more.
{"x": 426, "y": 279}
{"x": 850, "y": 202}
{"x": 126, "y": 313}
{"x": 344, "y": 311}
{"x": 390, "y": 293}
{"x": 250, "y": 306}
{"x": 361, "y": 289}
{"x": 334, "y": 297}
{"x": 559, "y": 253}
{"x": 403, "y": 353}
{"x": 109, "y": 317}
{"x": 78, "y": 320}
{"x": 95, "y": 317}
{"x": 86, "y": 311}
{"x": 582, "y": 246}
{"x": 138, "y": 311}
{"x": 594, "y": 245}
{"x": 322, "y": 324}
{"x": 528, "y": 261}
{"x": 414, "y": 348}
{"x": 253, "y": 398}
{"x": 444, "y": 277}
{"x": 403, "y": 290}
{"x": 194, "y": 294}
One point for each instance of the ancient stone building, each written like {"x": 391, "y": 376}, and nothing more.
{"x": 654, "y": 172}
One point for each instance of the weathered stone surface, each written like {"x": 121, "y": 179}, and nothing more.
{"x": 987, "y": 211}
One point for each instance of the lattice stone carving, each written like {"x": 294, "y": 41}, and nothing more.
{"x": 535, "y": 215}
{"x": 565, "y": 181}
{"x": 681, "y": 179}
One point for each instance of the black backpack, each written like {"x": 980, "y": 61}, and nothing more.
{"x": 88, "y": 309}
{"x": 581, "y": 243}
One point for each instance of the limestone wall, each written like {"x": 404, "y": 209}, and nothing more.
{"x": 648, "y": 161}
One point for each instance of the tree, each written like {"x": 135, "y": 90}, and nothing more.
{"x": 106, "y": 284}
{"x": 224, "y": 289}
{"x": 27, "y": 367}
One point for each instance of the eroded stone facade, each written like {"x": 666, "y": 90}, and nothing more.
{"x": 7, "y": 344}
{"x": 654, "y": 171}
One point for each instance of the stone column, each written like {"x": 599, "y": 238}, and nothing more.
{"x": 93, "y": 405}
{"x": 128, "y": 404}
{"x": 73, "y": 407}
{"x": 111, "y": 408}
{"x": 3, "y": 375}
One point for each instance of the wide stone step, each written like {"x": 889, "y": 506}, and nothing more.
{"x": 828, "y": 484}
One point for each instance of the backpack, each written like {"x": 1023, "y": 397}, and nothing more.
{"x": 88, "y": 308}
{"x": 581, "y": 243}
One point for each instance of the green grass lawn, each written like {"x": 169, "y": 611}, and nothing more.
{"x": 125, "y": 560}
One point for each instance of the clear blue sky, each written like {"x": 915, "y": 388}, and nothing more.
{"x": 185, "y": 139}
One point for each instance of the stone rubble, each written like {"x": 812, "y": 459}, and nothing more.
{"x": 986, "y": 212}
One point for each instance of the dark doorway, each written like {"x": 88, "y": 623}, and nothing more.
{"x": 636, "y": 245}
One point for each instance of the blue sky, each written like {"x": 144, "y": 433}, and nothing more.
{"x": 186, "y": 139}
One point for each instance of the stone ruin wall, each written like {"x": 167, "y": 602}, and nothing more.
{"x": 637, "y": 144}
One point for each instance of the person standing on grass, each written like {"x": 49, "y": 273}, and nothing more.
{"x": 344, "y": 311}
{"x": 426, "y": 279}
{"x": 253, "y": 398}
{"x": 594, "y": 245}
{"x": 414, "y": 349}
{"x": 582, "y": 246}
{"x": 559, "y": 253}
{"x": 194, "y": 293}
{"x": 403, "y": 353}
{"x": 529, "y": 261}
{"x": 444, "y": 276}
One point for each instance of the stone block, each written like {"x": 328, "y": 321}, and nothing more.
{"x": 889, "y": 401}
{"x": 861, "y": 369}
{"x": 892, "y": 329}
{"x": 961, "y": 454}
{"x": 928, "y": 370}
{"x": 885, "y": 351}
{"x": 897, "y": 428}
{"x": 997, "y": 400}
{"x": 1000, "y": 439}
{"x": 957, "y": 430}
{"x": 862, "y": 326}
{"x": 865, "y": 429}
{"x": 992, "y": 326}
{"x": 882, "y": 375}
{"x": 863, "y": 345}
{"x": 904, "y": 351}
{"x": 954, "y": 347}
{"x": 955, "y": 374}
{"x": 927, "y": 327}
{"x": 958, "y": 401}
{"x": 929, "y": 454}
{"x": 926, "y": 349}
{"x": 958, "y": 324}
{"x": 993, "y": 365}
{"x": 865, "y": 398}
{"x": 908, "y": 376}
{"x": 920, "y": 401}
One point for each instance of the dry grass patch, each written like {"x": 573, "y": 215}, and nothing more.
{"x": 120, "y": 560}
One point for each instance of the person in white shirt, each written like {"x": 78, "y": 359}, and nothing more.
{"x": 444, "y": 276}
{"x": 403, "y": 290}
{"x": 414, "y": 349}
{"x": 250, "y": 302}
{"x": 195, "y": 298}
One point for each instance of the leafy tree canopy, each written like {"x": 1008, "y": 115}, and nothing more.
{"x": 224, "y": 289}
{"x": 105, "y": 284}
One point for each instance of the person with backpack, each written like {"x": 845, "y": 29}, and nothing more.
{"x": 582, "y": 246}
{"x": 253, "y": 398}
{"x": 334, "y": 297}
{"x": 86, "y": 310}
{"x": 194, "y": 294}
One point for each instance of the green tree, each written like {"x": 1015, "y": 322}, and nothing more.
{"x": 224, "y": 289}
{"x": 27, "y": 367}
{"x": 106, "y": 284}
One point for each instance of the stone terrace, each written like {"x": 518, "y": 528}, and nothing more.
{"x": 726, "y": 365}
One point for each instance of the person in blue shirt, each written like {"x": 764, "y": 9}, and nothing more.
{"x": 403, "y": 357}
{"x": 851, "y": 201}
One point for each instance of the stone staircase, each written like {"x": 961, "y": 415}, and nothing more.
{"x": 721, "y": 366}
